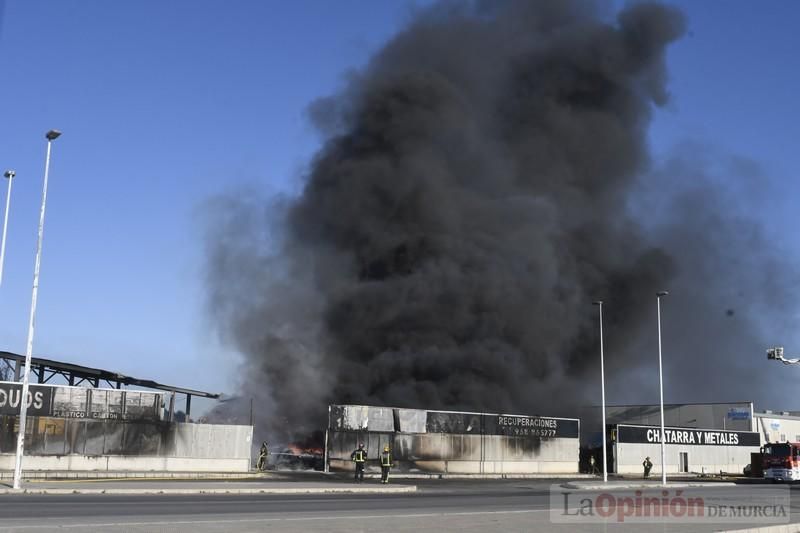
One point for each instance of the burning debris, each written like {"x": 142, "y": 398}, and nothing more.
{"x": 473, "y": 195}
{"x": 294, "y": 457}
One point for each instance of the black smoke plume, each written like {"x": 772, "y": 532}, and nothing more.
{"x": 481, "y": 181}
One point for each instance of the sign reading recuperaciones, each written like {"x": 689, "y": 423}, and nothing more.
{"x": 703, "y": 437}
{"x": 508, "y": 425}
{"x": 417, "y": 421}
{"x": 39, "y": 400}
{"x": 537, "y": 426}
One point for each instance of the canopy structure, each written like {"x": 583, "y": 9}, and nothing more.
{"x": 47, "y": 369}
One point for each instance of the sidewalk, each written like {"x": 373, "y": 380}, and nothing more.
{"x": 642, "y": 484}
{"x": 145, "y": 486}
{"x": 7, "y": 475}
{"x": 417, "y": 475}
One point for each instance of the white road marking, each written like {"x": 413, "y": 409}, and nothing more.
{"x": 253, "y": 520}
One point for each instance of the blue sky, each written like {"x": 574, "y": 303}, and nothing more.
{"x": 164, "y": 104}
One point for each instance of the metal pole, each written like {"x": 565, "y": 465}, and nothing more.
{"x": 603, "y": 395}
{"x": 326, "y": 457}
{"x": 23, "y": 402}
{"x": 10, "y": 175}
{"x": 599, "y": 303}
{"x": 661, "y": 392}
{"x": 172, "y": 407}
{"x": 325, "y": 454}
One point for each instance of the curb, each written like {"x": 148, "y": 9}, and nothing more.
{"x": 623, "y": 486}
{"x": 83, "y": 475}
{"x": 482, "y": 476}
{"x": 270, "y": 475}
{"x": 785, "y": 528}
{"x": 308, "y": 490}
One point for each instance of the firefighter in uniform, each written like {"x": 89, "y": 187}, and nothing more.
{"x": 647, "y": 466}
{"x": 263, "y": 453}
{"x": 359, "y": 457}
{"x": 386, "y": 464}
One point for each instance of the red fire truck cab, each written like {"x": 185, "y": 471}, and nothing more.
{"x": 782, "y": 461}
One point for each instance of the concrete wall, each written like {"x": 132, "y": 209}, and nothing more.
{"x": 628, "y": 458}
{"x": 119, "y": 463}
{"x": 209, "y": 441}
{"x": 183, "y": 447}
{"x": 458, "y": 454}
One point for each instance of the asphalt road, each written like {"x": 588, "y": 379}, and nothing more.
{"x": 464, "y": 506}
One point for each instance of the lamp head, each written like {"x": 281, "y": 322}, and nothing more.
{"x": 10, "y": 174}
{"x": 662, "y": 293}
{"x": 597, "y": 302}
{"x": 52, "y": 135}
{"x": 775, "y": 353}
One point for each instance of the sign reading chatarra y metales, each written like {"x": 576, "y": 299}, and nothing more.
{"x": 39, "y": 399}
{"x": 702, "y": 437}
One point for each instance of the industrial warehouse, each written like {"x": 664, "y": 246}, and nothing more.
{"x": 702, "y": 438}
{"x": 451, "y": 442}
{"x": 89, "y": 428}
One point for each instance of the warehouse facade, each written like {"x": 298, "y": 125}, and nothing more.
{"x": 687, "y": 450}
{"x": 734, "y": 429}
{"x": 453, "y": 442}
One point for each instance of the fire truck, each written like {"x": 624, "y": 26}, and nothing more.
{"x": 781, "y": 461}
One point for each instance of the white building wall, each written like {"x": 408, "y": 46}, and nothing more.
{"x": 210, "y": 441}
{"x": 701, "y": 458}
{"x": 190, "y": 448}
{"x": 777, "y": 428}
{"x": 120, "y": 463}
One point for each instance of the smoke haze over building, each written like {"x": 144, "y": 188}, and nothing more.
{"x": 481, "y": 181}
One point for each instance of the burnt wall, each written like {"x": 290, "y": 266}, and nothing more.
{"x": 49, "y": 436}
{"x": 453, "y": 442}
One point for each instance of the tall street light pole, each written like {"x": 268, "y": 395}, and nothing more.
{"x": 51, "y": 136}
{"x": 10, "y": 175}
{"x": 599, "y": 304}
{"x": 661, "y": 392}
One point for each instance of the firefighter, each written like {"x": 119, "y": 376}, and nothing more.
{"x": 647, "y": 466}
{"x": 386, "y": 464}
{"x": 359, "y": 457}
{"x": 263, "y": 453}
